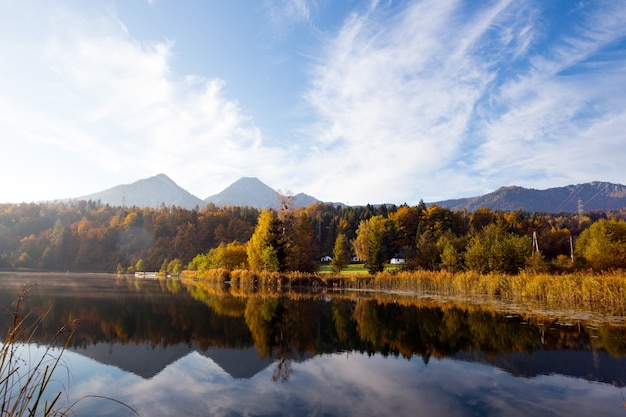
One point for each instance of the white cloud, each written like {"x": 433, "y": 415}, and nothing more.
{"x": 101, "y": 100}
{"x": 404, "y": 102}
{"x": 559, "y": 122}
{"x": 348, "y": 383}
{"x": 395, "y": 98}
{"x": 414, "y": 100}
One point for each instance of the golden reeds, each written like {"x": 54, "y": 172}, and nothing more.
{"x": 608, "y": 288}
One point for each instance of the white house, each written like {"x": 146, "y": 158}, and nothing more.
{"x": 397, "y": 261}
{"x": 326, "y": 258}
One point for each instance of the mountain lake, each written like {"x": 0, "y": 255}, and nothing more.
{"x": 160, "y": 348}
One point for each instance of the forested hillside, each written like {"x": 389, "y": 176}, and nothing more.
{"x": 89, "y": 236}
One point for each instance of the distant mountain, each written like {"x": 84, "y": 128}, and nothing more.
{"x": 252, "y": 192}
{"x": 245, "y": 192}
{"x": 149, "y": 192}
{"x": 591, "y": 196}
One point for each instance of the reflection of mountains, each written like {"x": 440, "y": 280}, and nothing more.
{"x": 142, "y": 326}
{"x": 147, "y": 361}
{"x": 593, "y": 366}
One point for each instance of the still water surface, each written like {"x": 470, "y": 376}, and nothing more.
{"x": 167, "y": 349}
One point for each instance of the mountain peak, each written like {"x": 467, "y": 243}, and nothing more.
{"x": 163, "y": 178}
{"x": 252, "y": 192}
{"x": 148, "y": 192}
{"x": 246, "y": 191}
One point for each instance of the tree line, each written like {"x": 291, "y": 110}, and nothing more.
{"x": 90, "y": 236}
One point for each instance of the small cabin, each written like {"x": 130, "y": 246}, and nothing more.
{"x": 397, "y": 261}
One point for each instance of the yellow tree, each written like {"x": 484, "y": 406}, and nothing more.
{"x": 262, "y": 247}
{"x": 603, "y": 244}
{"x": 371, "y": 242}
{"x": 361, "y": 243}
{"x": 341, "y": 254}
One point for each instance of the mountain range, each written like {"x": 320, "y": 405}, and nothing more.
{"x": 248, "y": 191}
{"x": 572, "y": 198}
{"x": 160, "y": 189}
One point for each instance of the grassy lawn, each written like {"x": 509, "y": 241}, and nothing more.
{"x": 350, "y": 269}
{"x": 355, "y": 269}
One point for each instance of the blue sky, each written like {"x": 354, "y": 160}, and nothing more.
{"x": 351, "y": 101}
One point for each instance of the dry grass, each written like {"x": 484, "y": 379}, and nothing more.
{"x": 27, "y": 386}
{"x": 25, "y": 380}
{"x": 608, "y": 288}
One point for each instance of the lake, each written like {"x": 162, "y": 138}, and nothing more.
{"x": 165, "y": 348}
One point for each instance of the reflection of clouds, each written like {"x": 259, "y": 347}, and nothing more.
{"x": 340, "y": 385}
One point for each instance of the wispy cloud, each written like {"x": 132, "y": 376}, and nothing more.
{"x": 440, "y": 96}
{"x": 549, "y": 108}
{"x": 285, "y": 14}
{"x": 397, "y": 97}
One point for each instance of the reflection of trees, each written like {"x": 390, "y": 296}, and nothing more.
{"x": 288, "y": 328}
{"x": 270, "y": 325}
{"x": 120, "y": 311}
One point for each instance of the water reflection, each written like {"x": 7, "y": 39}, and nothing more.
{"x": 171, "y": 349}
{"x": 349, "y": 385}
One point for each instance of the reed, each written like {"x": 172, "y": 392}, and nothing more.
{"x": 28, "y": 380}
{"x": 24, "y": 382}
{"x": 581, "y": 287}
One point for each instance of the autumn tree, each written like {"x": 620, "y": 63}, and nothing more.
{"x": 341, "y": 254}
{"x": 231, "y": 256}
{"x": 371, "y": 243}
{"x": 262, "y": 247}
{"x": 451, "y": 249}
{"x": 481, "y": 218}
{"x": 603, "y": 245}
{"x": 139, "y": 266}
{"x": 405, "y": 222}
{"x": 428, "y": 255}
{"x": 496, "y": 250}
{"x": 361, "y": 242}
{"x": 58, "y": 252}
{"x": 295, "y": 244}
{"x": 303, "y": 252}
{"x": 175, "y": 267}
{"x": 437, "y": 220}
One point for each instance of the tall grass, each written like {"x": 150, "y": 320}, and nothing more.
{"x": 25, "y": 379}
{"x": 28, "y": 384}
{"x": 581, "y": 288}
{"x": 608, "y": 288}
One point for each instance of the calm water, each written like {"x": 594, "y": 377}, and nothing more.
{"x": 170, "y": 350}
